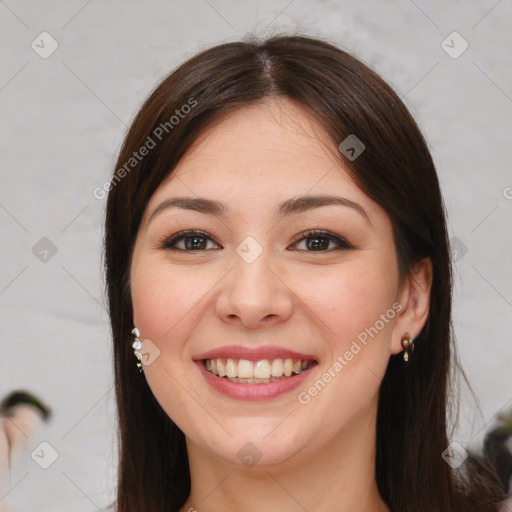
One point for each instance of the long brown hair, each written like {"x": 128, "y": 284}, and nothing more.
{"x": 395, "y": 170}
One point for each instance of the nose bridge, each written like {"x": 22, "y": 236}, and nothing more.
{"x": 251, "y": 272}
{"x": 253, "y": 293}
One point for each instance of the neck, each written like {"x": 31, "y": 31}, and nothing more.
{"x": 340, "y": 476}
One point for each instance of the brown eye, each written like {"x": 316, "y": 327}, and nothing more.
{"x": 321, "y": 241}
{"x": 189, "y": 241}
{"x": 193, "y": 243}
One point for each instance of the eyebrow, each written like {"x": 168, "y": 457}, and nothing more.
{"x": 206, "y": 206}
{"x": 303, "y": 203}
{"x": 288, "y": 207}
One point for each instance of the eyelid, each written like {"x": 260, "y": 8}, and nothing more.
{"x": 166, "y": 241}
{"x": 342, "y": 242}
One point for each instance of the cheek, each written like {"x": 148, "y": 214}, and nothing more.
{"x": 166, "y": 308}
{"x": 166, "y": 301}
{"x": 354, "y": 306}
{"x": 353, "y": 300}
{"x": 151, "y": 293}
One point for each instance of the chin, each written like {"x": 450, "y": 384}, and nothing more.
{"x": 260, "y": 444}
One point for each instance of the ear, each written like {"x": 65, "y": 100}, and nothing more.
{"x": 414, "y": 297}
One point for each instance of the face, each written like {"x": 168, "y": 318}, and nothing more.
{"x": 296, "y": 297}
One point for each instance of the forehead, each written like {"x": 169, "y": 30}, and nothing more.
{"x": 270, "y": 151}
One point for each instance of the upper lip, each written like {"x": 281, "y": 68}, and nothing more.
{"x": 252, "y": 354}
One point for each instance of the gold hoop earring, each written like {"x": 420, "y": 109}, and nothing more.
{"x": 408, "y": 346}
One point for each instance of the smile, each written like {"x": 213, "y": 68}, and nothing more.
{"x": 262, "y": 371}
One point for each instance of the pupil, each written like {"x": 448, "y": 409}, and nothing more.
{"x": 195, "y": 242}
{"x": 317, "y": 243}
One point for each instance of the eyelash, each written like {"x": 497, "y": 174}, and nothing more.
{"x": 168, "y": 243}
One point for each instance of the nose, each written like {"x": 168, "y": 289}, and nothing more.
{"x": 254, "y": 295}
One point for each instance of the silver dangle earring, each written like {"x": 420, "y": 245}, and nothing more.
{"x": 137, "y": 345}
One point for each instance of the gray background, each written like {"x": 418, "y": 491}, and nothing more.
{"x": 63, "y": 120}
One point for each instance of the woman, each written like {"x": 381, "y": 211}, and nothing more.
{"x": 276, "y": 245}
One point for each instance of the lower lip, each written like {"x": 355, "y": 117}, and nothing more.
{"x": 253, "y": 392}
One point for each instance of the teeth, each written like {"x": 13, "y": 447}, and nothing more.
{"x": 245, "y": 369}
{"x": 220, "y": 368}
{"x": 231, "y": 370}
{"x": 277, "y": 367}
{"x": 288, "y": 367}
{"x": 262, "y": 371}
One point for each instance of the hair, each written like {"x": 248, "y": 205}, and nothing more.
{"x": 395, "y": 170}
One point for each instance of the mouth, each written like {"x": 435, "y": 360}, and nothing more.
{"x": 252, "y": 374}
{"x": 262, "y": 371}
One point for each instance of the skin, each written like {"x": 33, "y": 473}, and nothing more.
{"x": 21, "y": 425}
{"x": 317, "y": 456}
{"x": 16, "y": 430}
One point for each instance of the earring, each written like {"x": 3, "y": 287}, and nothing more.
{"x": 137, "y": 345}
{"x": 407, "y": 344}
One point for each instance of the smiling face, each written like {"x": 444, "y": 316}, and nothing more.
{"x": 232, "y": 263}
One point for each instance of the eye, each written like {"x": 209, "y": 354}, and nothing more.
{"x": 189, "y": 241}
{"x": 199, "y": 241}
{"x": 321, "y": 241}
